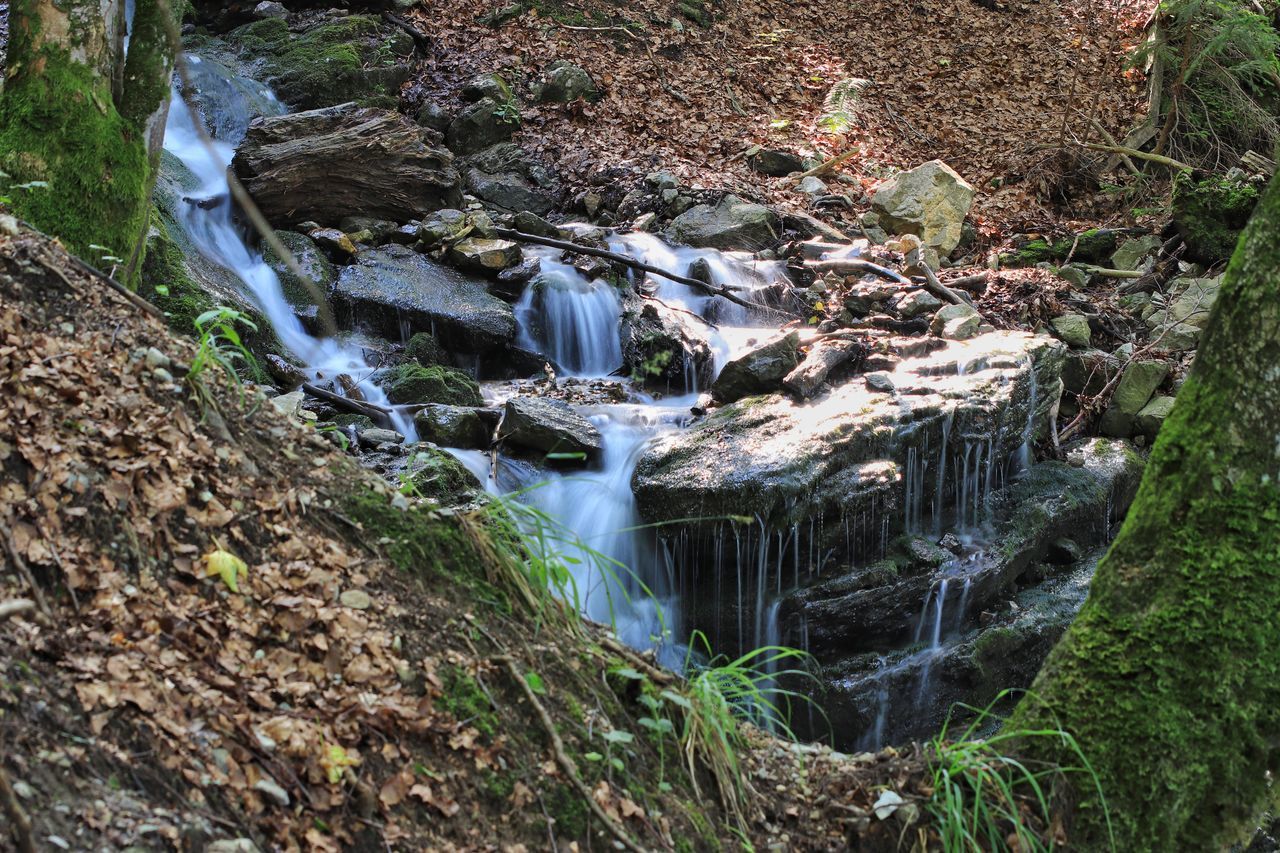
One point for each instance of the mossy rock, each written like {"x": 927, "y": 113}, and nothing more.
{"x": 166, "y": 282}
{"x": 317, "y": 269}
{"x": 1094, "y": 246}
{"x": 1210, "y": 214}
{"x": 354, "y": 58}
{"x": 413, "y": 383}
{"x": 436, "y": 474}
{"x": 426, "y": 350}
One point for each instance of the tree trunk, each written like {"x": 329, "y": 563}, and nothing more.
{"x": 1170, "y": 677}
{"x": 80, "y": 125}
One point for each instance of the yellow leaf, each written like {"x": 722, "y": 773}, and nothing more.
{"x": 335, "y": 760}
{"x": 227, "y": 566}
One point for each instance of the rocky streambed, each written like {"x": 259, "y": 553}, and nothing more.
{"x": 864, "y": 487}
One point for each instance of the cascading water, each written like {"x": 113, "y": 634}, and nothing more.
{"x": 569, "y": 318}
{"x": 210, "y": 224}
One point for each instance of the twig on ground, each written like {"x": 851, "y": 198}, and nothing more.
{"x": 14, "y": 606}
{"x": 826, "y": 166}
{"x": 25, "y": 570}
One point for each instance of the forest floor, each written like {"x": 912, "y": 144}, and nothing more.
{"x": 992, "y": 88}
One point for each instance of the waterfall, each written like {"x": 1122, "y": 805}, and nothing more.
{"x": 213, "y": 230}
{"x": 569, "y": 318}
{"x": 1029, "y": 431}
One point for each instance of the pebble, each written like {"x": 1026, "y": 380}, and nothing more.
{"x": 272, "y": 791}
{"x": 356, "y": 599}
{"x": 155, "y": 358}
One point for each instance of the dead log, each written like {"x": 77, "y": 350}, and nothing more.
{"x": 569, "y": 246}
{"x": 824, "y": 357}
{"x": 975, "y": 284}
{"x": 377, "y": 414}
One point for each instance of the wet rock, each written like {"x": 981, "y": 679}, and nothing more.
{"x": 375, "y": 437}
{"x": 930, "y": 201}
{"x": 551, "y": 427}
{"x": 1152, "y": 416}
{"x": 880, "y": 380}
{"x": 759, "y": 371}
{"x": 370, "y": 228}
{"x": 480, "y": 125}
{"x": 1139, "y": 382}
{"x": 528, "y": 222}
{"x": 1073, "y": 330}
{"x": 436, "y": 474}
{"x": 956, "y": 322}
{"x": 775, "y": 163}
{"x": 394, "y": 290}
{"x": 335, "y": 244}
{"x": 443, "y": 226}
{"x": 453, "y": 426}
{"x": 566, "y": 82}
{"x": 731, "y": 224}
{"x": 660, "y": 350}
{"x": 426, "y": 350}
{"x": 488, "y": 257}
{"x": 342, "y": 161}
{"x": 413, "y": 383}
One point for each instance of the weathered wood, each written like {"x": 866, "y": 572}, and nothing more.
{"x": 327, "y": 164}
{"x": 378, "y": 414}
{"x": 824, "y": 357}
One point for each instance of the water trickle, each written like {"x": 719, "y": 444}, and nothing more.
{"x": 571, "y": 319}
{"x": 1025, "y": 452}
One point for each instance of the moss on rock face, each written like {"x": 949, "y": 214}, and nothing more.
{"x": 413, "y": 383}
{"x": 437, "y": 474}
{"x": 1210, "y": 214}
{"x": 349, "y": 59}
{"x": 1093, "y": 246}
{"x": 166, "y": 281}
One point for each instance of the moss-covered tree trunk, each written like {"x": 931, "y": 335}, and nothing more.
{"x": 81, "y": 121}
{"x": 1170, "y": 676}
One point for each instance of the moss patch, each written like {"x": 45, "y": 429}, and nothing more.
{"x": 1210, "y": 214}
{"x": 1093, "y": 246}
{"x": 413, "y": 383}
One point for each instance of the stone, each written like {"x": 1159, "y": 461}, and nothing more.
{"x": 490, "y": 85}
{"x": 812, "y": 186}
{"x": 377, "y": 230}
{"x": 375, "y": 437}
{"x": 916, "y": 303}
{"x": 775, "y": 163}
{"x": 869, "y": 295}
{"x": 272, "y": 792}
{"x": 758, "y": 371}
{"x": 489, "y": 257}
{"x": 443, "y": 226}
{"x": 356, "y": 599}
{"x": 1209, "y": 214}
{"x": 659, "y": 181}
{"x": 528, "y": 222}
{"x": 1134, "y": 253}
{"x": 661, "y": 350}
{"x": 393, "y": 291}
{"x": 1087, "y": 371}
{"x": 731, "y": 224}
{"x": 480, "y": 125}
{"x": 341, "y": 161}
{"x": 270, "y": 9}
{"x": 426, "y": 350}
{"x": 232, "y": 845}
{"x": 334, "y": 243}
{"x": 955, "y": 322}
{"x": 453, "y": 426}
{"x": 1152, "y": 416}
{"x": 413, "y": 383}
{"x": 1073, "y": 330}
{"x": 289, "y": 404}
{"x": 1073, "y": 275}
{"x": 434, "y": 116}
{"x": 317, "y": 270}
{"x": 880, "y": 380}
{"x": 566, "y": 82}
{"x": 553, "y": 427}
{"x": 1133, "y": 391}
{"x": 930, "y": 201}
{"x": 438, "y": 475}
{"x": 509, "y": 191}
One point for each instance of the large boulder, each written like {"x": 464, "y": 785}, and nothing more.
{"x": 930, "y": 201}
{"x": 1210, "y": 214}
{"x": 508, "y": 178}
{"x": 453, "y": 426}
{"x": 393, "y": 289}
{"x": 566, "y": 82}
{"x": 413, "y": 383}
{"x": 759, "y": 371}
{"x": 335, "y": 60}
{"x": 731, "y": 224}
{"x": 328, "y": 164}
{"x": 552, "y": 427}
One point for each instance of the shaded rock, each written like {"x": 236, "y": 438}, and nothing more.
{"x": 870, "y": 295}
{"x": 1094, "y": 246}
{"x": 879, "y": 380}
{"x": 480, "y": 125}
{"x": 374, "y": 437}
{"x": 377, "y": 230}
{"x": 1088, "y": 371}
{"x": 1210, "y": 214}
{"x": 443, "y": 226}
{"x": 529, "y": 222}
{"x": 1189, "y": 303}
{"x": 731, "y": 224}
{"x": 1134, "y": 253}
{"x": 660, "y": 350}
{"x": 1139, "y": 382}
{"x": 328, "y": 164}
{"x": 394, "y": 290}
{"x": 490, "y": 85}
{"x": 453, "y": 426}
{"x": 758, "y": 371}
{"x": 566, "y": 82}
{"x": 930, "y": 201}
{"x": 426, "y": 350}
{"x": 1152, "y": 416}
{"x": 489, "y": 257}
{"x": 956, "y": 322}
{"x": 1074, "y": 275}
{"x": 413, "y": 383}
{"x": 551, "y": 427}
{"x": 509, "y": 191}
{"x": 1073, "y": 330}
{"x": 775, "y": 163}
{"x": 916, "y": 303}
{"x": 434, "y": 117}
{"x": 436, "y": 474}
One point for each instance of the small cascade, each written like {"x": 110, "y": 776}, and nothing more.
{"x": 935, "y": 636}
{"x": 1027, "y": 449}
{"x": 873, "y": 738}
{"x": 571, "y": 319}
{"x": 941, "y": 480}
{"x": 212, "y": 228}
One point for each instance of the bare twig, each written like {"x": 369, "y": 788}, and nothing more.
{"x": 25, "y": 570}
{"x": 827, "y": 166}
{"x": 14, "y": 606}
{"x": 1141, "y": 155}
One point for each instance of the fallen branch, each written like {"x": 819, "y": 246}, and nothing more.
{"x": 562, "y": 757}
{"x": 14, "y": 606}
{"x": 25, "y": 570}
{"x": 975, "y": 284}
{"x": 851, "y": 266}
{"x": 1109, "y": 273}
{"x": 568, "y": 246}
{"x": 369, "y": 410}
{"x": 1141, "y": 155}
{"x": 827, "y": 166}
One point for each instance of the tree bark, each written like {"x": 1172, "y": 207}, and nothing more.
{"x": 1169, "y": 679}
{"x": 80, "y": 126}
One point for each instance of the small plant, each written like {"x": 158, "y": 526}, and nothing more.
{"x": 220, "y": 346}
{"x": 984, "y": 799}
{"x": 507, "y": 112}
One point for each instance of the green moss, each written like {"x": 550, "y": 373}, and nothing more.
{"x": 499, "y": 786}
{"x": 1093, "y": 246}
{"x": 1170, "y": 676}
{"x": 349, "y": 59}
{"x": 437, "y": 474}
{"x": 413, "y": 383}
{"x": 566, "y": 807}
{"x": 352, "y": 420}
{"x": 1210, "y": 214}
{"x": 60, "y": 126}
{"x": 167, "y": 283}
{"x": 425, "y": 349}
{"x": 463, "y": 698}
